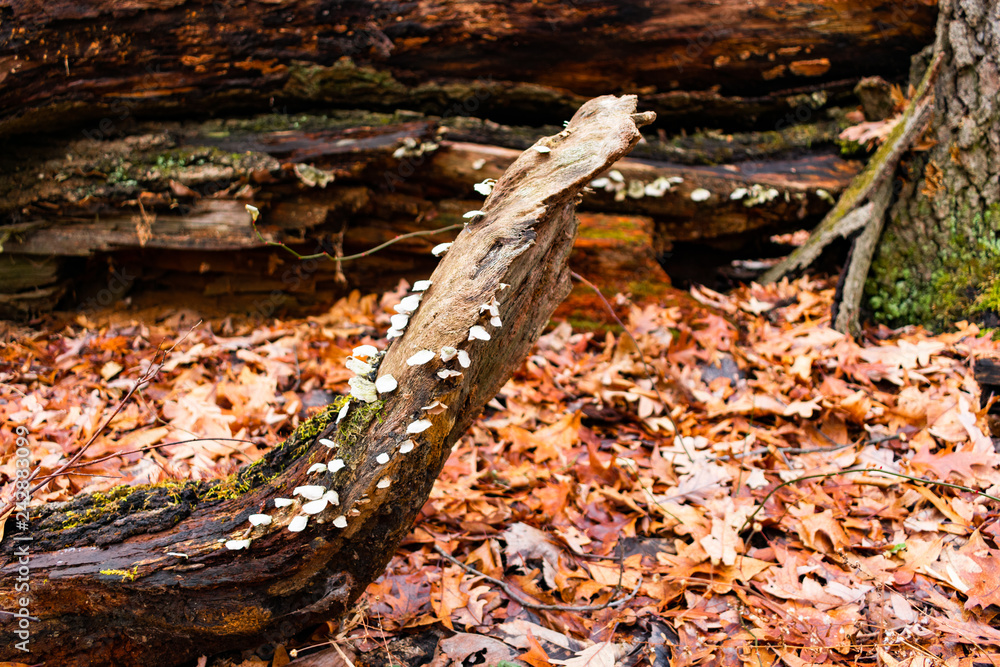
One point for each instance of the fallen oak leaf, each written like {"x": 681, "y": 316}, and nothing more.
{"x": 535, "y": 655}
{"x": 943, "y": 464}
{"x": 602, "y": 654}
{"x": 524, "y": 543}
{"x": 983, "y": 586}
{"x": 463, "y": 646}
{"x": 450, "y": 596}
{"x": 803, "y": 409}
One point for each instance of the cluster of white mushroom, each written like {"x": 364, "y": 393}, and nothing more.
{"x": 317, "y": 498}
{"x": 616, "y": 184}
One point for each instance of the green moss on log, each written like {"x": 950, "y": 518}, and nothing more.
{"x": 124, "y": 511}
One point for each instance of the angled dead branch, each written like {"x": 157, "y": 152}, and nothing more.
{"x": 143, "y": 576}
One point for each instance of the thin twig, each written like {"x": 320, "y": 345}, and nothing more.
{"x": 516, "y": 597}
{"x": 148, "y": 448}
{"x": 922, "y": 480}
{"x": 10, "y": 613}
{"x": 345, "y": 258}
{"x": 807, "y": 450}
{"x": 147, "y": 376}
{"x": 343, "y": 655}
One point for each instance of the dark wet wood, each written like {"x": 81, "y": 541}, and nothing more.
{"x": 166, "y": 204}
{"x": 97, "y": 65}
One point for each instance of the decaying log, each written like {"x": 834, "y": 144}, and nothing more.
{"x": 143, "y": 576}
{"x": 727, "y": 63}
{"x": 166, "y": 204}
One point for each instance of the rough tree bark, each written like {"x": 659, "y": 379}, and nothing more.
{"x": 939, "y": 258}
{"x": 107, "y": 583}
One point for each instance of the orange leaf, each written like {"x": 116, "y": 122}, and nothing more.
{"x": 536, "y": 655}
{"x": 450, "y": 596}
{"x": 984, "y": 586}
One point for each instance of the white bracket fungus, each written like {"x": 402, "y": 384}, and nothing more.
{"x": 385, "y": 384}
{"x": 408, "y": 304}
{"x": 399, "y": 321}
{"x": 478, "y": 333}
{"x": 365, "y": 351}
{"x": 435, "y": 408}
{"x": 362, "y": 389}
{"x": 310, "y": 491}
{"x": 485, "y": 187}
{"x": 357, "y": 366}
{"x": 418, "y": 426}
{"x": 420, "y": 358}
{"x": 315, "y": 507}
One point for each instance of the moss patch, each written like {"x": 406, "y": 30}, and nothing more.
{"x": 937, "y": 286}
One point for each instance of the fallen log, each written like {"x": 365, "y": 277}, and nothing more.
{"x": 157, "y": 575}
{"x": 723, "y": 64}
{"x": 164, "y": 206}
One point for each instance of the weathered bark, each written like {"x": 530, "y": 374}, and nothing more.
{"x": 723, "y": 64}
{"x": 107, "y": 583}
{"x": 164, "y": 205}
{"x": 938, "y": 260}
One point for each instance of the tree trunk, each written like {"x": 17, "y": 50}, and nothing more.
{"x": 725, "y": 63}
{"x": 145, "y": 576}
{"x": 939, "y": 259}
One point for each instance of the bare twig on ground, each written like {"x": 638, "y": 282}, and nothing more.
{"x": 518, "y": 598}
